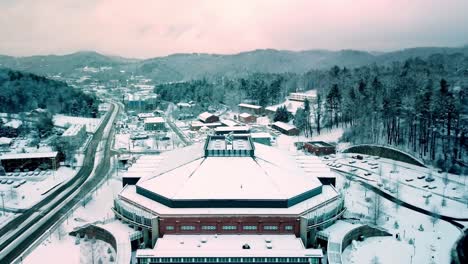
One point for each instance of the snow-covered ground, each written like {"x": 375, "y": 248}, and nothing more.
{"x": 435, "y": 240}
{"x": 62, "y": 246}
{"x": 91, "y": 123}
{"x": 387, "y": 250}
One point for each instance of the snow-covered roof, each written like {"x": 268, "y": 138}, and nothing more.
{"x": 31, "y": 155}
{"x": 290, "y": 105}
{"x": 233, "y": 129}
{"x": 13, "y": 123}
{"x": 5, "y": 141}
{"x": 284, "y": 126}
{"x": 260, "y": 135}
{"x": 250, "y": 106}
{"x": 73, "y": 130}
{"x": 145, "y": 115}
{"x": 157, "y": 119}
{"x": 274, "y": 172}
{"x": 229, "y": 123}
{"x": 204, "y": 116}
{"x": 245, "y": 115}
{"x": 229, "y": 246}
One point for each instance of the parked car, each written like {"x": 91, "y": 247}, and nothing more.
{"x": 430, "y": 179}
{"x": 3, "y": 181}
{"x": 409, "y": 180}
{"x": 352, "y": 161}
{"x": 368, "y": 173}
{"x": 432, "y": 187}
{"x": 421, "y": 177}
{"x": 9, "y": 182}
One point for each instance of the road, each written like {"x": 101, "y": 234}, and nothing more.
{"x": 13, "y": 240}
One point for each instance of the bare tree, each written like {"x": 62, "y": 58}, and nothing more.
{"x": 435, "y": 217}
{"x": 376, "y": 208}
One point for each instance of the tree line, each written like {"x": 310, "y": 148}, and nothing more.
{"x": 23, "y": 92}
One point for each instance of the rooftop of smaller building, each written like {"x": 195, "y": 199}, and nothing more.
{"x": 73, "y": 130}
{"x": 245, "y": 115}
{"x": 157, "y": 119}
{"x": 229, "y": 246}
{"x": 31, "y": 155}
{"x": 320, "y": 144}
{"x": 283, "y": 125}
{"x": 250, "y": 106}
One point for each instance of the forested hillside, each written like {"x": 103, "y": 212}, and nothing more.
{"x": 419, "y": 105}
{"x": 22, "y": 92}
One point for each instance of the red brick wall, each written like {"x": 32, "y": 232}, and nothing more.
{"x": 219, "y": 222}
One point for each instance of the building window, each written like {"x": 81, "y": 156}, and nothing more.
{"x": 169, "y": 228}
{"x": 187, "y": 228}
{"x": 270, "y": 227}
{"x": 288, "y": 228}
{"x": 249, "y": 227}
{"x": 229, "y": 227}
{"x": 208, "y": 227}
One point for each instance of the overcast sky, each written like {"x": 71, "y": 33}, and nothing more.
{"x": 149, "y": 28}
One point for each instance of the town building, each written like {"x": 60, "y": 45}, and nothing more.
{"x": 234, "y": 130}
{"x": 320, "y": 148}
{"x": 228, "y": 123}
{"x": 155, "y": 124}
{"x": 75, "y": 135}
{"x": 228, "y": 200}
{"x": 197, "y": 125}
{"x": 262, "y": 138}
{"x": 30, "y": 161}
{"x": 311, "y": 96}
{"x": 207, "y": 117}
{"x": 5, "y": 143}
{"x": 285, "y": 128}
{"x": 251, "y": 109}
{"x": 143, "y": 116}
{"x": 247, "y": 118}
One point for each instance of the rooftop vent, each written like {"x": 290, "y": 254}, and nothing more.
{"x": 269, "y": 245}
{"x": 246, "y": 246}
{"x": 268, "y": 240}
{"x": 203, "y": 240}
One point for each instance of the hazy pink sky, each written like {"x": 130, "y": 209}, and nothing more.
{"x": 148, "y": 28}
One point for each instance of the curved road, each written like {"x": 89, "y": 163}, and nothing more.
{"x": 81, "y": 182}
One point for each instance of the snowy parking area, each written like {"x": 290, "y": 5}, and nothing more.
{"x": 34, "y": 188}
{"x": 409, "y": 182}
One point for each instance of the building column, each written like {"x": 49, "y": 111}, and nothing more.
{"x": 154, "y": 231}
{"x": 303, "y": 230}
{"x": 145, "y": 232}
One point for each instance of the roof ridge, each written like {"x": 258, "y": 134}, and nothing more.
{"x": 190, "y": 175}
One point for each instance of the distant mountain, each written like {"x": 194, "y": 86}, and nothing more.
{"x": 65, "y": 64}
{"x": 180, "y": 67}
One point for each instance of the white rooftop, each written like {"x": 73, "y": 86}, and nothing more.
{"x": 245, "y": 115}
{"x": 283, "y": 125}
{"x": 232, "y": 128}
{"x": 73, "y": 130}
{"x": 250, "y": 106}
{"x": 157, "y": 119}
{"x": 31, "y": 155}
{"x": 272, "y": 171}
{"x": 229, "y": 246}
{"x": 205, "y": 115}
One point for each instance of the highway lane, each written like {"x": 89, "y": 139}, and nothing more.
{"x": 74, "y": 190}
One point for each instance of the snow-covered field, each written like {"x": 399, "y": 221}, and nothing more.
{"x": 62, "y": 246}
{"x": 91, "y": 123}
{"x": 435, "y": 240}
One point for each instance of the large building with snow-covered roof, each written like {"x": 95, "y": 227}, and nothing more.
{"x": 227, "y": 186}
